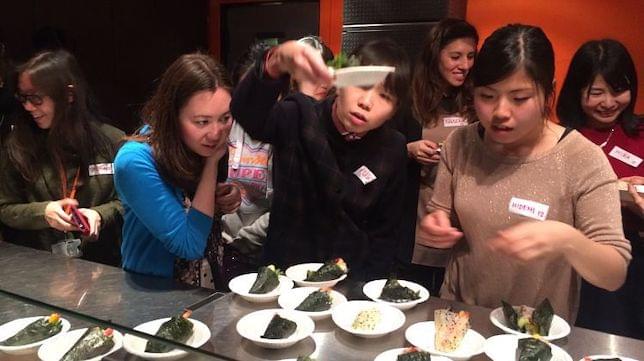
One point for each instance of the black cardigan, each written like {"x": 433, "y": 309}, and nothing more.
{"x": 320, "y": 209}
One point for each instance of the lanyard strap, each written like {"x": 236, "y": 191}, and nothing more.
{"x": 63, "y": 183}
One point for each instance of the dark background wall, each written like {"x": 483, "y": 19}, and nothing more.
{"x": 122, "y": 45}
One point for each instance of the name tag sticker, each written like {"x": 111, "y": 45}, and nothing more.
{"x": 101, "y": 169}
{"x": 454, "y": 122}
{"x": 528, "y": 208}
{"x": 364, "y": 174}
{"x": 625, "y": 156}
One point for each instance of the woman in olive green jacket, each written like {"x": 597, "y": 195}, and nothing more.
{"x": 58, "y": 157}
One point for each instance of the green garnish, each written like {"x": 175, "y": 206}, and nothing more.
{"x": 342, "y": 61}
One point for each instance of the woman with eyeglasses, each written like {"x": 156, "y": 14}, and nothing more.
{"x": 58, "y": 159}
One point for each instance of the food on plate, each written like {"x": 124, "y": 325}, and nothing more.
{"x": 414, "y": 354}
{"x": 38, "y": 330}
{"x": 328, "y": 271}
{"x": 266, "y": 281}
{"x": 450, "y": 329}
{"x": 532, "y": 321}
{"x": 367, "y": 320}
{"x": 178, "y": 329}
{"x": 279, "y": 328}
{"x": 342, "y": 61}
{"x": 95, "y": 341}
{"x": 533, "y": 349}
{"x": 317, "y": 301}
{"x": 393, "y": 291}
{"x": 305, "y": 358}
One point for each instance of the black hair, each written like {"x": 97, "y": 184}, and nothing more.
{"x": 610, "y": 59}
{"x": 514, "y": 47}
{"x": 247, "y": 60}
{"x": 387, "y": 52}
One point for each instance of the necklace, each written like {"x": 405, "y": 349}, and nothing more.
{"x": 607, "y": 138}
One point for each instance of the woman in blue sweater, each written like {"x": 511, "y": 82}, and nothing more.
{"x": 166, "y": 175}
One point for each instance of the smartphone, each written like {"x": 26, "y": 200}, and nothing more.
{"x": 80, "y": 221}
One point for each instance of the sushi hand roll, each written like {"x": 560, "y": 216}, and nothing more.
{"x": 395, "y": 292}
{"x": 532, "y": 349}
{"x": 279, "y": 328}
{"x": 414, "y": 354}
{"x": 94, "y": 342}
{"x": 38, "y": 330}
{"x": 329, "y": 271}
{"x": 524, "y": 319}
{"x": 266, "y": 281}
{"x": 317, "y": 301}
{"x": 178, "y": 329}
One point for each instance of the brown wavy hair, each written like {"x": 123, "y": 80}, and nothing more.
{"x": 428, "y": 85}
{"x": 189, "y": 74}
{"x": 73, "y": 138}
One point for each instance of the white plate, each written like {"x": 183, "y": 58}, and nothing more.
{"x": 136, "y": 345}
{"x": 54, "y": 349}
{"x": 373, "y": 290}
{"x": 421, "y": 335}
{"x": 11, "y": 328}
{"x": 361, "y": 75}
{"x": 298, "y": 274}
{"x": 504, "y": 347}
{"x": 559, "y": 328}
{"x": 253, "y": 325}
{"x": 292, "y": 298}
{"x": 391, "y": 318}
{"x": 242, "y": 284}
{"x": 595, "y": 357}
{"x": 392, "y": 355}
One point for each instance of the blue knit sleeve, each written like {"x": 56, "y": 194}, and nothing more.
{"x": 155, "y": 203}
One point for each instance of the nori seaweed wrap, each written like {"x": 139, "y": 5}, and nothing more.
{"x": 94, "y": 342}
{"x": 266, "y": 281}
{"x": 38, "y": 330}
{"x": 532, "y": 349}
{"x": 317, "y": 301}
{"x": 279, "y": 328}
{"x": 414, "y": 354}
{"x": 178, "y": 329}
{"x": 536, "y": 322}
{"x": 393, "y": 291}
{"x": 328, "y": 271}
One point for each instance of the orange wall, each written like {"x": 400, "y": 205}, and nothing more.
{"x": 568, "y": 24}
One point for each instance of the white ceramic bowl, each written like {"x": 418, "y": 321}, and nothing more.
{"x": 421, "y": 335}
{"x": 55, "y": 348}
{"x": 292, "y": 298}
{"x": 373, "y": 290}
{"x": 12, "y": 327}
{"x": 242, "y": 284}
{"x": 391, "y": 318}
{"x": 392, "y": 355}
{"x": 503, "y": 348}
{"x": 136, "y": 345}
{"x": 298, "y": 274}
{"x": 595, "y": 357}
{"x": 559, "y": 328}
{"x": 368, "y": 75}
{"x": 253, "y": 325}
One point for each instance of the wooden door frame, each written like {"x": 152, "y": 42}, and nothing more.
{"x": 331, "y": 12}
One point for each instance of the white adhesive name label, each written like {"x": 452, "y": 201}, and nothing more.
{"x": 100, "y": 169}
{"x": 528, "y": 208}
{"x": 364, "y": 174}
{"x": 625, "y": 156}
{"x": 454, "y": 122}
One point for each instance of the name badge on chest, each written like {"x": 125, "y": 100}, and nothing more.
{"x": 364, "y": 174}
{"x": 625, "y": 156}
{"x": 100, "y": 169}
{"x": 530, "y": 209}
{"x": 449, "y": 122}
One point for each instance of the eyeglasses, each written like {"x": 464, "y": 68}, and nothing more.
{"x": 34, "y": 99}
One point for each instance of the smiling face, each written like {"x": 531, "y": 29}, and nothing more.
{"x": 359, "y": 110}
{"x": 205, "y": 121}
{"x": 41, "y": 107}
{"x": 456, "y": 60}
{"x": 601, "y": 104}
{"x": 511, "y": 111}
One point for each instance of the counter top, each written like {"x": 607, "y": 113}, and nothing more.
{"x": 108, "y": 293}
